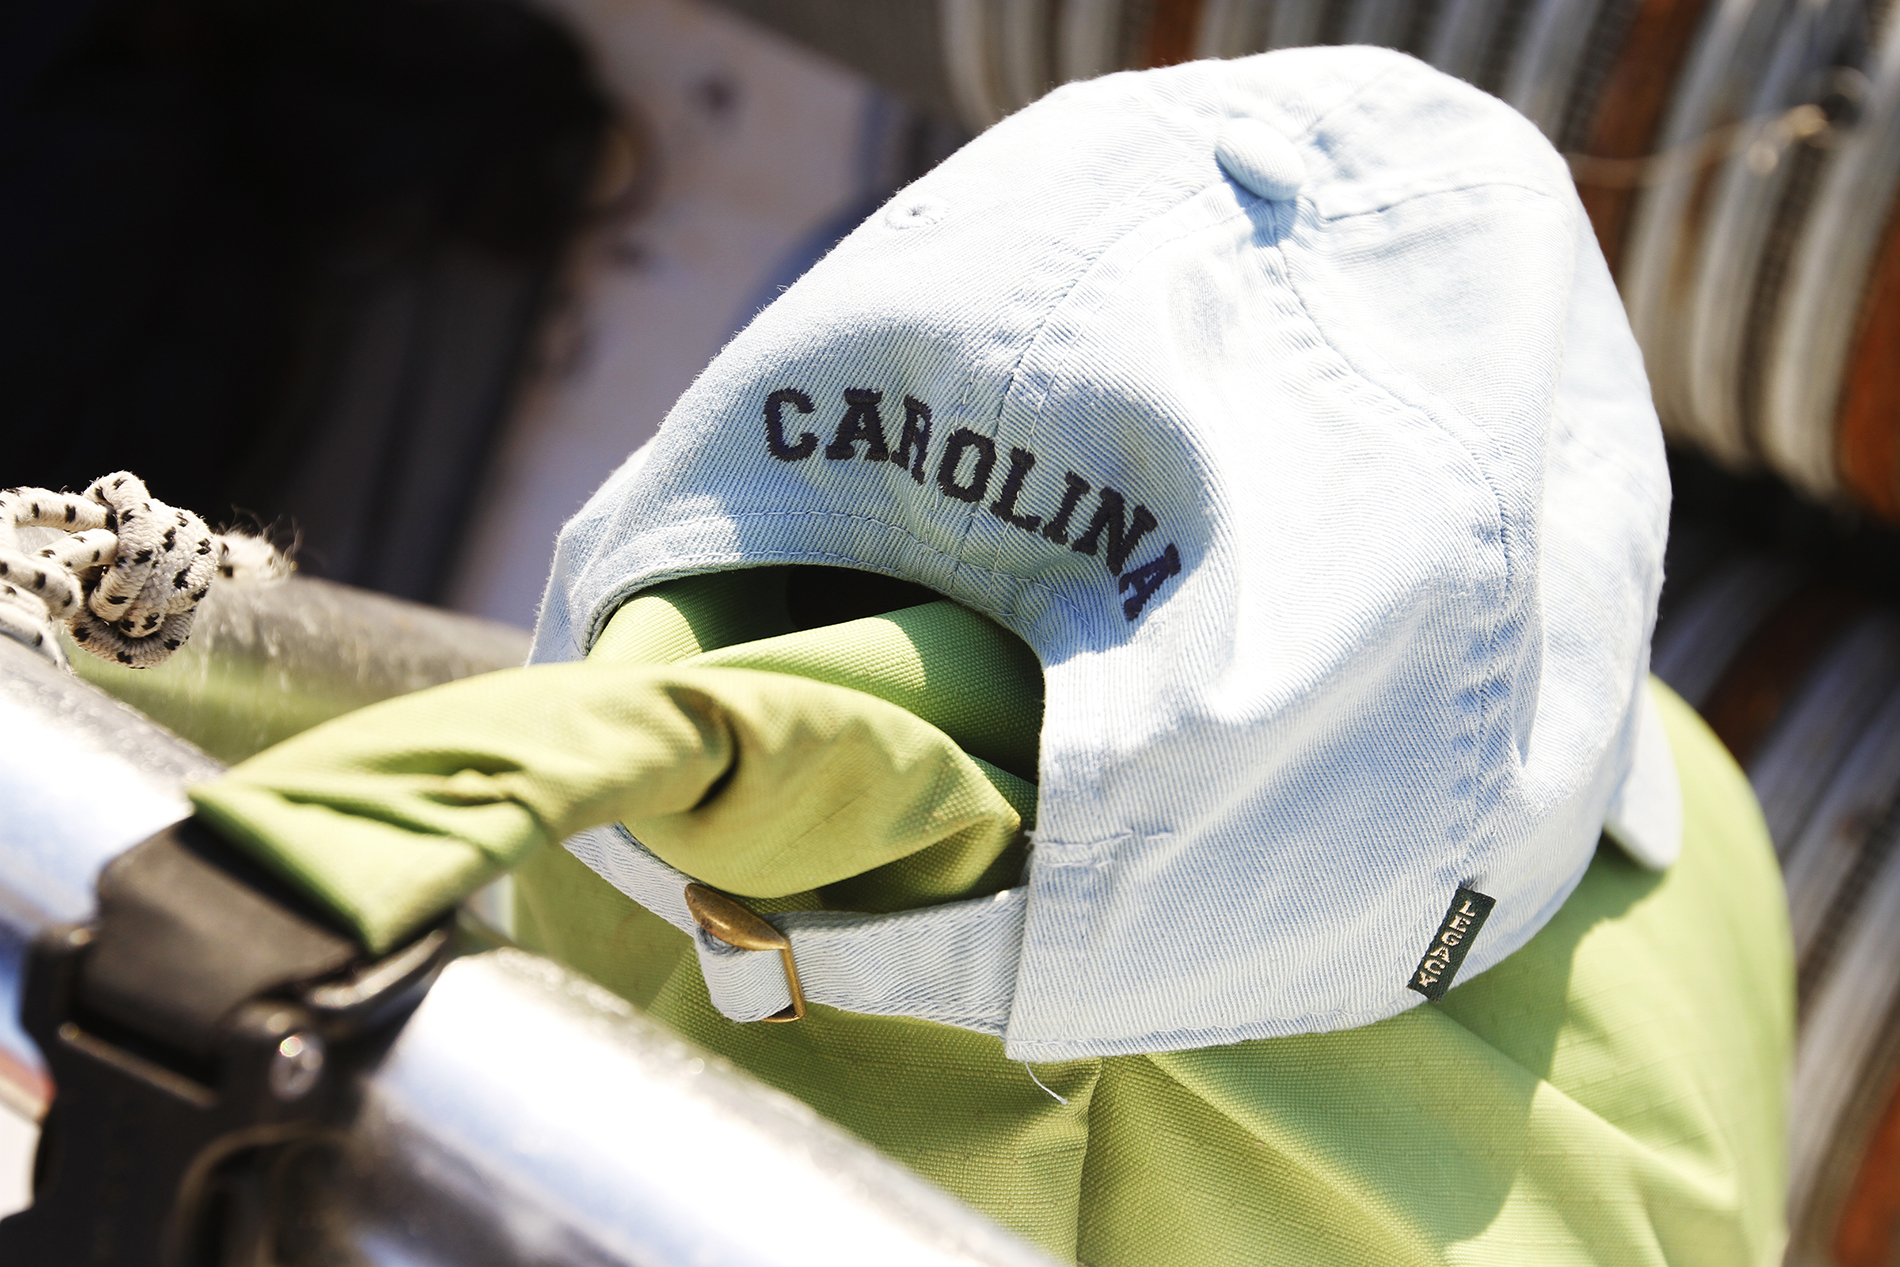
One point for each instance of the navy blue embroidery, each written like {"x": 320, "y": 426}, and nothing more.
{"x": 775, "y": 425}
{"x": 1114, "y": 530}
{"x": 1123, "y": 536}
{"x": 916, "y": 437}
{"x": 1004, "y": 507}
{"x": 1076, "y": 489}
{"x": 861, "y": 422}
{"x": 1148, "y": 578}
{"x": 962, "y": 440}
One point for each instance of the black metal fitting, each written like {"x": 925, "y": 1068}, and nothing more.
{"x": 205, "y": 1024}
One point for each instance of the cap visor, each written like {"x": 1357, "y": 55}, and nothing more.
{"x": 1645, "y": 817}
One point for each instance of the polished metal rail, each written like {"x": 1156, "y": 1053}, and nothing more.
{"x": 83, "y": 778}
{"x": 526, "y": 1117}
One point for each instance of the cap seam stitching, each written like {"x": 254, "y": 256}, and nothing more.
{"x": 1617, "y": 458}
{"x": 1353, "y": 98}
{"x": 1440, "y": 191}
{"x": 1350, "y": 99}
{"x": 1090, "y": 263}
{"x": 1482, "y": 683}
{"x": 1033, "y": 347}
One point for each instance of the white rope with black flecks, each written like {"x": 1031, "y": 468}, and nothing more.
{"x": 126, "y": 579}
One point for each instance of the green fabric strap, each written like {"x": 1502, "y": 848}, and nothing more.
{"x": 753, "y": 782}
{"x": 811, "y": 767}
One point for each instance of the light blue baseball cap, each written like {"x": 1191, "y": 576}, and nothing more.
{"x": 1286, "y": 408}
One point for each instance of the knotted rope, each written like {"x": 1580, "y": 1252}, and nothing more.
{"x": 126, "y": 579}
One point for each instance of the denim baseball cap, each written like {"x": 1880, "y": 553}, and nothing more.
{"x": 1285, "y": 407}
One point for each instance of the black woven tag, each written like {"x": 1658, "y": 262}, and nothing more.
{"x": 1451, "y": 943}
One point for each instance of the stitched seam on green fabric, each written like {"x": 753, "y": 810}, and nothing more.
{"x": 791, "y": 847}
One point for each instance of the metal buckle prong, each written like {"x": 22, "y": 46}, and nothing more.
{"x": 726, "y": 919}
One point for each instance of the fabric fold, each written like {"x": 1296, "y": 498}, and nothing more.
{"x": 762, "y": 784}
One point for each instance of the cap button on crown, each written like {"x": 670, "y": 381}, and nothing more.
{"x": 1260, "y": 159}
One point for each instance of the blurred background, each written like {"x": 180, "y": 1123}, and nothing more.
{"x": 400, "y": 281}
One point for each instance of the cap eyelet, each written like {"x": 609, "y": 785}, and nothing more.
{"x": 914, "y": 213}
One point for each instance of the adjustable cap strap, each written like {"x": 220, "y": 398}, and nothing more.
{"x": 954, "y": 964}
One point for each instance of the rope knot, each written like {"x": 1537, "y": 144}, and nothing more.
{"x": 126, "y": 579}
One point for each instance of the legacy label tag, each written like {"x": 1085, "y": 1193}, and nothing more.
{"x": 1451, "y": 943}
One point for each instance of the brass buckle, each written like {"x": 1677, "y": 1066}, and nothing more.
{"x": 733, "y": 924}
